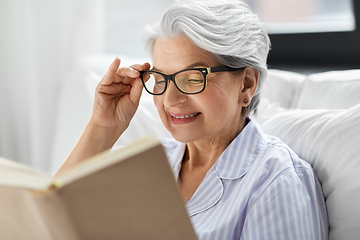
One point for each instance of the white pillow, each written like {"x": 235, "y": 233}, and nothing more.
{"x": 282, "y": 87}
{"x": 330, "y": 141}
{"x": 330, "y": 90}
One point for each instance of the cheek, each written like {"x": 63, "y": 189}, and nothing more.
{"x": 223, "y": 103}
{"x": 158, "y": 101}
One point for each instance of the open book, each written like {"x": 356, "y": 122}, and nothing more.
{"x": 130, "y": 193}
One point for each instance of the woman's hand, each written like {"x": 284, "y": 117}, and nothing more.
{"x": 117, "y": 96}
{"x": 116, "y": 101}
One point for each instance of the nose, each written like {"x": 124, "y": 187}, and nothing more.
{"x": 173, "y": 97}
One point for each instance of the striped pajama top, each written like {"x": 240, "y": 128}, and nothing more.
{"x": 258, "y": 189}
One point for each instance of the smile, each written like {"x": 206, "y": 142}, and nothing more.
{"x": 187, "y": 116}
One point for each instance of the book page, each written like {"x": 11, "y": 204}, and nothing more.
{"x": 16, "y": 174}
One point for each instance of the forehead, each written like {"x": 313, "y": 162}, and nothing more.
{"x": 178, "y": 53}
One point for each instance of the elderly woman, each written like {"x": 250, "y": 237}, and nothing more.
{"x": 209, "y": 62}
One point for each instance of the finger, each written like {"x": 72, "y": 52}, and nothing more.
{"x": 127, "y": 75}
{"x": 136, "y": 91}
{"x": 126, "y": 72}
{"x": 141, "y": 67}
{"x": 109, "y": 76}
{"x": 114, "y": 89}
{"x": 133, "y": 70}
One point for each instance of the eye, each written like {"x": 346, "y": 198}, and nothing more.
{"x": 161, "y": 82}
{"x": 195, "y": 81}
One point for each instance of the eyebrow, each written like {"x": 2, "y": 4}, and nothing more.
{"x": 193, "y": 65}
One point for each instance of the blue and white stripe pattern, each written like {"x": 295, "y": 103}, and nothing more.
{"x": 257, "y": 189}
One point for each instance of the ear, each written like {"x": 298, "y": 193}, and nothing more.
{"x": 249, "y": 85}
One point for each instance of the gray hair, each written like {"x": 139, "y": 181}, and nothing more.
{"x": 226, "y": 28}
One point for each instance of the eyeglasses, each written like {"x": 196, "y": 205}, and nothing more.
{"x": 188, "y": 81}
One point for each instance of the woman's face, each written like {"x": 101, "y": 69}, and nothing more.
{"x": 210, "y": 115}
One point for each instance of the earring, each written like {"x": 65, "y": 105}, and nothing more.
{"x": 245, "y": 101}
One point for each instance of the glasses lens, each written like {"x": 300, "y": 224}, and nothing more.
{"x": 190, "y": 81}
{"x": 154, "y": 82}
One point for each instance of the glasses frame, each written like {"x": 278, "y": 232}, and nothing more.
{"x": 171, "y": 77}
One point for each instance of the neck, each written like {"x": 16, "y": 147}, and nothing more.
{"x": 204, "y": 153}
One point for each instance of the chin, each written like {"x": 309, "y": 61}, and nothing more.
{"x": 179, "y": 133}
{"x": 183, "y": 136}
{"x": 181, "y": 139}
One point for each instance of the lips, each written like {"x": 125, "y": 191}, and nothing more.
{"x": 183, "y": 118}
